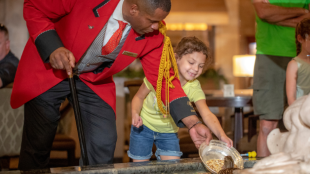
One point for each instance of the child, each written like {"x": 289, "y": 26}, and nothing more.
{"x": 150, "y": 126}
{"x": 298, "y": 69}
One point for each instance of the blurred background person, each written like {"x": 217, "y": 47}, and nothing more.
{"x": 298, "y": 69}
{"x": 276, "y": 21}
{"x": 8, "y": 61}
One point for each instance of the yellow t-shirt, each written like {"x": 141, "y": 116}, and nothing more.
{"x": 154, "y": 119}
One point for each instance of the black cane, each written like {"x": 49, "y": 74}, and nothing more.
{"x": 78, "y": 119}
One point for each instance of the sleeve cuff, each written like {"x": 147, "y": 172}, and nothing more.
{"x": 46, "y": 43}
{"x": 181, "y": 108}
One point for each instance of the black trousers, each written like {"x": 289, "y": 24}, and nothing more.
{"x": 42, "y": 116}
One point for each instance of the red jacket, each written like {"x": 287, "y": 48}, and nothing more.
{"x": 77, "y": 23}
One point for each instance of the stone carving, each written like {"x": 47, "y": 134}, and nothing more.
{"x": 290, "y": 151}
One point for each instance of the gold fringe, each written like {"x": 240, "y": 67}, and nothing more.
{"x": 167, "y": 59}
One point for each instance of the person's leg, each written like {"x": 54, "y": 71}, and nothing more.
{"x": 163, "y": 157}
{"x": 266, "y": 126}
{"x": 168, "y": 146}
{"x": 269, "y": 97}
{"x": 99, "y": 125}
{"x": 140, "y": 144}
{"x": 41, "y": 118}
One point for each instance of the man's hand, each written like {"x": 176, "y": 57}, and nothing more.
{"x": 136, "y": 120}
{"x": 199, "y": 134}
{"x": 62, "y": 58}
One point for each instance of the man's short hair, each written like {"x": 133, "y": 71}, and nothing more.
{"x": 151, "y": 5}
{"x": 5, "y": 30}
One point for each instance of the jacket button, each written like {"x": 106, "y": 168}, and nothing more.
{"x": 87, "y": 65}
{"x": 90, "y": 27}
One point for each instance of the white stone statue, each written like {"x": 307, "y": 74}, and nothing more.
{"x": 290, "y": 151}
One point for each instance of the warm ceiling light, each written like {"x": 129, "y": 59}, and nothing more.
{"x": 174, "y": 27}
{"x": 187, "y": 26}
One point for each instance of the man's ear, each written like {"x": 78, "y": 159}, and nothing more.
{"x": 134, "y": 10}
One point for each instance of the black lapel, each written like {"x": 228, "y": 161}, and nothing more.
{"x": 95, "y": 10}
{"x": 140, "y": 38}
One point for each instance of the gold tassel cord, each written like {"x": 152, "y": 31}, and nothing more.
{"x": 167, "y": 59}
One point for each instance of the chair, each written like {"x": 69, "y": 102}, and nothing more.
{"x": 11, "y": 132}
{"x": 252, "y": 123}
{"x": 10, "y": 128}
{"x": 65, "y": 143}
{"x": 252, "y": 126}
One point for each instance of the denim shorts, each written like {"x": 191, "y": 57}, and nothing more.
{"x": 142, "y": 139}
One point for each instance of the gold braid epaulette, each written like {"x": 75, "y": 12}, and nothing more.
{"x": 167, "y": 59}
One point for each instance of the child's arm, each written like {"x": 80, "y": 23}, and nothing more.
{"x": 212, "y": 122}
{"x": 136, "y": 105}
{"x": 291, "y": 81}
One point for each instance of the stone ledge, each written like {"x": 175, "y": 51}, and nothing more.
{"x": 182, "y": 166}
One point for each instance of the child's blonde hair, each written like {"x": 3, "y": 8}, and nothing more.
{"x": 302, "y": 29}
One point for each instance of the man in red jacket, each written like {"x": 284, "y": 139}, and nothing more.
{"x": 97, "y": 39}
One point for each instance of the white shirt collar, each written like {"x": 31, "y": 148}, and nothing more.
{"x": 118, "y": 13}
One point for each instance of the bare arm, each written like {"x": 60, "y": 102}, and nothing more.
{"x": 291, "y": 81}
{"x": 293, "y": 21}
{"x": 190, "y": 121}
{"x": 288, "y": 23}
{"x": 274, "y": 14}
{"x": 211, "y": 121}
{"x": 136, "y": 105}
{"x": 209, "y": 118}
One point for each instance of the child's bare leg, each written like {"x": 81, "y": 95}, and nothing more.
{"x": 162, "y": 157}
{"x": 140, "y": 160}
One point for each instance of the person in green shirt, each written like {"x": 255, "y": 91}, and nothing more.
{"x": 150, "y": 126}
{"x": 275, "y": 38}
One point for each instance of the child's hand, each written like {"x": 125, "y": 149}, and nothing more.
{"x": 136, "y": 120}
{"x": 227, "y": 140}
